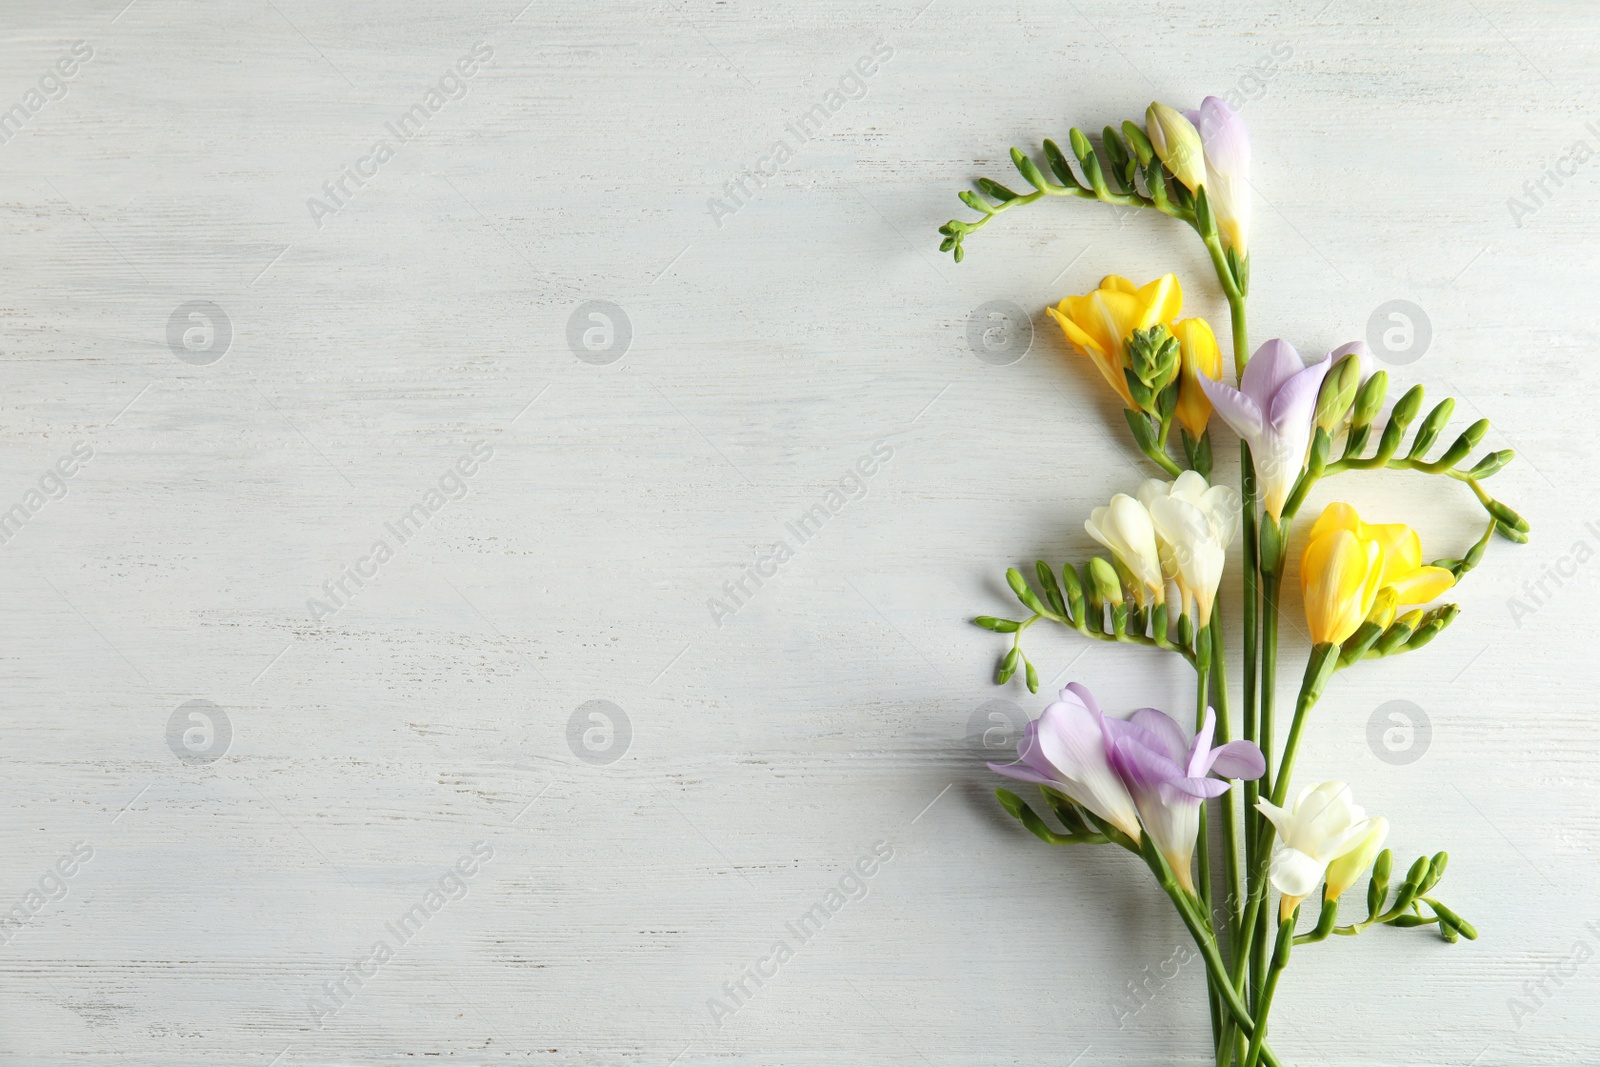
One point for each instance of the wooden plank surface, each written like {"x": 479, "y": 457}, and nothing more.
{"x": 416, "y": 339}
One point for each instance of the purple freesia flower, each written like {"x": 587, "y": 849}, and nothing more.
{"x": 1065, "y": 749}
{"x": 1227, "y": 149}
{"x": 1168, "y": 774}
{"x": 1272, "y": 411}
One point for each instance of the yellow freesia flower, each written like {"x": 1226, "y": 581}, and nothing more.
{"x": 1348, "y": 563}
{"x": 1201, "y": 357}
{"x": 1100, "y": 323}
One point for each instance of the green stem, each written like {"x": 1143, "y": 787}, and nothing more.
{"x": 1202, "y": 688}
{"x": 1272, "y": 585}
{"x": 1280, "y": 960}
{"x": 1230, "y": 844}
{"x": 1216, "y": 971}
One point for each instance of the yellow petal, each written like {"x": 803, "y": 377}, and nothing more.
{"x": 1336, "y": 516}
{"x": 1201, "y": 358}
{"x": 1402, "y": 549}
{"x": 1339, "y": 577}
{"x": 1422, "y": 585}
{"x": 1110, "y": 366}
{"x": 1117, "y": 283}
{"x": 1162, "y": 300}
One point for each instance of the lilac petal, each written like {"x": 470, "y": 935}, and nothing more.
{"x": 1029, "y": 755}
{"x": 1238, "y": 759}
{"x": 1115, "y": 730}
{"x": 1369, "y": 366}
{"x": 1021, "y": 773}
{"x": 1242, "y": 414}
{"x": 1142, "y": 769}
{"x": 1193, "y": 116}
{"x": 1296, "y": 401}
{"x": 1070, "y": 740}
{"x": 1173, "y": 742}
{"x": 1201, "y": 788}
{"x": 1200, "y": 747}
{"x": 1273, "y": 365}
{"x": 1081, "y": 694}
{"x": 1224, "y": 136}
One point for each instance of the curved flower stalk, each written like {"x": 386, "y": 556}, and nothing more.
{"x": 1365, "y": 584}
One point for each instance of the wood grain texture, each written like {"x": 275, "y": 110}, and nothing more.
{"x": 772, "y": 348}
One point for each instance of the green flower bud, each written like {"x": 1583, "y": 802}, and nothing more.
{"x": 1177, "y": 143}
{"x": 1338, "y": 392}
{"x": 1107, "y": 588}
{"x": 1370, "y": 399}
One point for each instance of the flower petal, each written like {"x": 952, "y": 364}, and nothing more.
{"x": 1238, "y": 759}
{"x": 1295, "y": 874}
{"x": 1274, "y": 363}
{"x": 1170, "y": 739}
{"x": 1242, "y": 414}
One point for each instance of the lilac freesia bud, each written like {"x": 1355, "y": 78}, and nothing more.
{"x": 1168, "y": 774}
{"x": 1272, "y": 411}
{"x": 1065, "y": 749}
{"x": 1227, "y": 149}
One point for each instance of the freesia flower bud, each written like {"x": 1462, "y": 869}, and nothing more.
{"x": 1201, "y": 359}
{"x": 1177, "y": 143}
{"x": 1343, "y": 872}
{"x": 1227, "y": 151}
{"x": 1107, "y": 589}
{"x": 1125, "y": 528}
{"x": 1338, "y": 393}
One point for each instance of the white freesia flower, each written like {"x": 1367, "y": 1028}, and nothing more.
{"x": 1125, "y": 528}
{"x": 1322, "y": 825}
{"x": 1194, "y": 523}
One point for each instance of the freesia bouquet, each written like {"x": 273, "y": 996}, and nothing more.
{"x": 1145, "y": 781}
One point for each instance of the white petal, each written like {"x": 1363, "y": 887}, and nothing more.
{"x": 1295, "y": 874}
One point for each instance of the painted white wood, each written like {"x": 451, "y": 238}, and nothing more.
{"x": 772, "y": 348}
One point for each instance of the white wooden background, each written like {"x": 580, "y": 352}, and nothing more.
{"x": 771, "y": 348}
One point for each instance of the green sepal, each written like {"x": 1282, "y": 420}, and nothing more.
{"x": 1204, "y": 221}
{"x": 976, "y": 203}
{"x": 1378, "y": 885}
{"x": 1144, "y": 434}
{"x": 1029, "y": 675}
{"x": 999, "y": 626}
